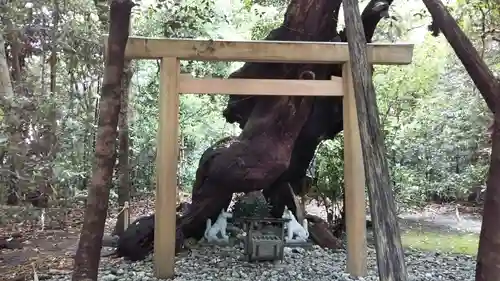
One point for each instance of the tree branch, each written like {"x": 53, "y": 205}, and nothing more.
{"x": 478, "y": 70}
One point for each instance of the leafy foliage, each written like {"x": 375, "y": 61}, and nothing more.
{"x": 435, "y": 122}
{"x": 252, "y": 205}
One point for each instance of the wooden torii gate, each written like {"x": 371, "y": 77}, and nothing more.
{"x": 173, "y": 83}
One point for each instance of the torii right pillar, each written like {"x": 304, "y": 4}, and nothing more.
{"x": 364, "y": 159}
{"x": 354, "y": 181}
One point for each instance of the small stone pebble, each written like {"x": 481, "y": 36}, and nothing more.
{"x": 228, "y": 264}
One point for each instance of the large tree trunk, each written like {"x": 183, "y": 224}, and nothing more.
{"x": 260, "y": 119}
{"x": 280, "y": 134}
{"x": 488, "y": 257}
{"x": 292, "y": 152}
{"x": 390, "y": 255}
{"x": 89, "y": 247}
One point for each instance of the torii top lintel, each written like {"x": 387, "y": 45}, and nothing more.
{"x": 261, "y": 51}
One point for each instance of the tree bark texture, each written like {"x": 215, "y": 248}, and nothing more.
{"x": 123, "y": 150}
{"x": 390, "y": 255}
{"x": 488, "y": 257}
{"x": 88, "y": 252}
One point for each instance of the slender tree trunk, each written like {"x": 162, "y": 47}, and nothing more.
{"x": 123, "y": 150}
{"x": 488, "y": 257}
{"x": 390, "y": 255}
{"x": 88, "y": 252}
{"x": 53, "y": 55}
{"x": 6, "y": 94}
{"x": 102, "y": 7}
{"x": 14, "y": 115}
{"x": 6, "y": 91}
{"x": 51, "y": 145}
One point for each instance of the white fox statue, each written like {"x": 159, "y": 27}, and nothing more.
{"x": 220, "y": 225}
{"x": 295, "y": 231}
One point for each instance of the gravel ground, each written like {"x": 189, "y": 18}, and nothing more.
{"x": 226, "y": 264}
